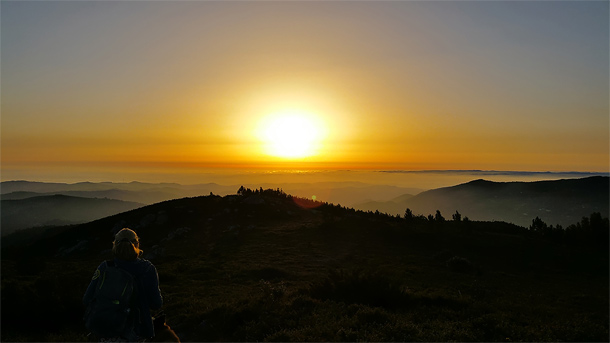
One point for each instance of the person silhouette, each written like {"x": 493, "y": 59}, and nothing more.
{"x": 127, "y": 256}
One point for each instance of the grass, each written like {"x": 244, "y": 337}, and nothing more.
{"x": 278, "y": 272}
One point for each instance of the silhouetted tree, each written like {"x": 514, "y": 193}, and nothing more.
{"x": 592, "y": 231}
{"x": 457, "y": 217}
{"x": 596, "y": 221}
{"x": 408, "y": 214}
{"x": 439, "y": 217}
{"x": 555, "y": 234}
{"x": 538, "y": 226}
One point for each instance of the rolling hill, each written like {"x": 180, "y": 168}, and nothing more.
{"x": 266, "y": 266}
{"x": 146, "y": 193}
{"x": 54, "y": 210}
{"x": 561, "y": 202}
{"x": 140, "y": 196}
{"x": 344, "y": 193}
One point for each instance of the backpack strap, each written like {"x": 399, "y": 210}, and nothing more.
{"x": 134, "y": 315}
{"x": 109, "y": 263}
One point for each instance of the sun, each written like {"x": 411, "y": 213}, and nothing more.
{"x": 291, "y": 134}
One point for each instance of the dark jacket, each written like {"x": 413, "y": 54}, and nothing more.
{"x": 149, "y": 294}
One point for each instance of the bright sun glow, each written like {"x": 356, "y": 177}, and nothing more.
{"x": 291, "y": 134}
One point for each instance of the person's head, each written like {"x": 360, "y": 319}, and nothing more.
{"x": 126, "y": 245}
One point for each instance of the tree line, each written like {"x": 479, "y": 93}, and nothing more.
{"x": 592, "y": 231}
{"x": 437, "y": 217}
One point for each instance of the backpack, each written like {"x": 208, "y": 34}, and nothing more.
{"x": 113, "y": 310}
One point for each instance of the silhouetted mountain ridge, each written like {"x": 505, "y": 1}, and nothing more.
{"x": 140, "y": 196}
{"x": 56, "y": 210}
{"x": 346, "y": 193}
{"x": 556, "y": 202}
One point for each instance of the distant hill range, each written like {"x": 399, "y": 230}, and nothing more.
{"x": 561, "y": 202}
{"x": 146, "y": 193}
{"x": 53, "y": 210}
{"x": 28, "y": 204}
{"x": 344, "y": 193}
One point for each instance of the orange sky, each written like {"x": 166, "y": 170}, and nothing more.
{"x": 177, "y": 87}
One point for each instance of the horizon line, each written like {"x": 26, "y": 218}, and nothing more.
{"x": 394, "y": 171}
{"x": 495, "y": 172}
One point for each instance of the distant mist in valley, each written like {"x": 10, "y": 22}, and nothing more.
{"x": 415, "y": 179}
{"x": 563, "y": 201}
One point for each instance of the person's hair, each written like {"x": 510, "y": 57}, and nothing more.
{"x": 126, "y": 245}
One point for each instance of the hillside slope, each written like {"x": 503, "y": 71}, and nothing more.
{"x": 142, "y": 196}
{"x": 561, "y": 202}
{"x": 57, "y": 210}
{"x": 146, "y": 193}
{"x": 344, "y": 193}
{"x": 392, "y": 206}
{"x": 266, "y": 266}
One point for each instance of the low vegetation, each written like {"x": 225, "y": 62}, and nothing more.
{"x": 265, "y": 266}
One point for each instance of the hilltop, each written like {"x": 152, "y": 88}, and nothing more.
{"x": 562, "y": 202}
{"x": 557, "y": 202}
{"x": 266, "y": 266}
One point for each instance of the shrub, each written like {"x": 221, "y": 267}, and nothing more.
{"x": 459, "y": 264}
{"x": 272, "y": 291}
{"x": 359, "y": 288}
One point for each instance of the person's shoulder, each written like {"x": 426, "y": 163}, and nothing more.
{"x": 143, "y": 261}
{"x": 99, "y": 270}
{"x": 145, "y": 264}
{"x": 103, "y": 265}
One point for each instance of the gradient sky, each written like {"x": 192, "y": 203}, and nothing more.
{"x": 172, "y": 87}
